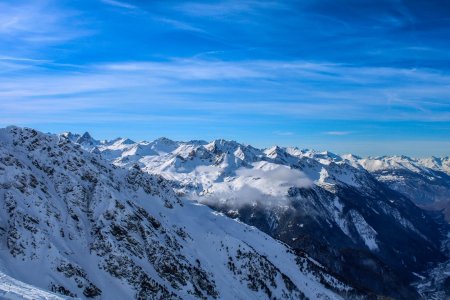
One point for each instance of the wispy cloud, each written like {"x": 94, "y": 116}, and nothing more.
{"x": 284, "y": 133}
{"x": 23, "y": 59}
{"x": 338, "y": 133}
{"x": 303, "y": 70}
{"x": 179, "y": 24}
{"x": 57, "y": 85}
{"x": 120, "y": 4}
{"x": 38, "y": 22}
{"x": 188, "y": 69}
{"x": 228, "y": 7}
{"x": 266, "y": 88}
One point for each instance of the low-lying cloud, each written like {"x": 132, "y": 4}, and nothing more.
{"x": 255, "y": 186}
{"x": 207, "y": 169}
{"x": 280, "y": 175}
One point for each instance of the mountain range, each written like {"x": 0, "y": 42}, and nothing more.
{"x": 217, "y": 220}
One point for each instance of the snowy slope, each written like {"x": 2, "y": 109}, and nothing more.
{"x": 12, "y": 289}
{"x": 73, "y": 224}
{"x": 436, "y": 163}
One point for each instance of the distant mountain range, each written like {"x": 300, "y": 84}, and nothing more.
{"x": 164, "y": 219}
{"x": 426, "y": 181}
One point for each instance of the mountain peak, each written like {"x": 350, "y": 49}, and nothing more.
{"x": 164, "y": 140}
{"x": 222, "y": 145}
{"x": 198, "y": 142}
{"x": 70, "y": 136}
{"x": 275, "y": 151}
{"x": 86, "y": 139}
{"x": 86, "y": 135}
{"x": 127, "y": 141}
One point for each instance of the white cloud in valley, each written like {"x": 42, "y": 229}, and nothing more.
{"x": 264, "y": 184}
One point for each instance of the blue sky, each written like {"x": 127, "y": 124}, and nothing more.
{"x": 368, "y": 77}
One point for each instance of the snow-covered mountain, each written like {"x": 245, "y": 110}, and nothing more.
{"x": 335, "y": 208}
{"x": 436, "y": 163}
{"x": 76, "y": 225}
{"x": 425, "y": 181}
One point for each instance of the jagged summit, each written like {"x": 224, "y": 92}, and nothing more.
{"x": 127, "y": 141}
{"x": 71, "y": 136}
{"x": 164, "y": 140}
{"x": 223, "y": 145}
{"x": 87, "y": 139}
{"x": 197, "y": 142}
